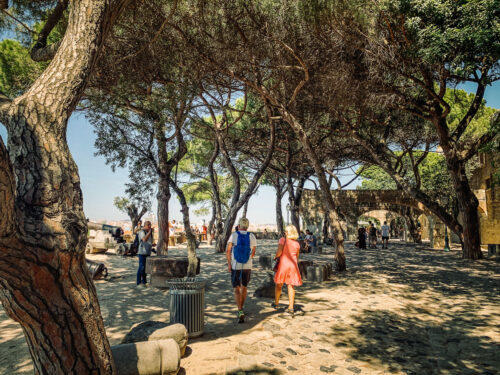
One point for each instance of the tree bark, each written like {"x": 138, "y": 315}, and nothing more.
{"x": 294, "y": 197}
{"x": 412, "y": 226}
{"x": 163, "y": 197}
{"x": 467, "y": 207}
{"x": 191, "y": 239}
{"x": 211, "y": 223}
{"x": 279, "y": 213}
{"x": 45, "y": 284}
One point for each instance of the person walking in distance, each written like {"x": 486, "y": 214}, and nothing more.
{"x": 373, "y": 236}
{"x": 288, "y": 268}
{"x": 385, "y": 235}
{"x": 240, "y": 251}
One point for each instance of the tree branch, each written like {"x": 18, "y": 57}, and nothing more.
{"x": 40, "y": 51}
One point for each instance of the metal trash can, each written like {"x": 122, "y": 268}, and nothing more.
{"x": 187, "y": 304}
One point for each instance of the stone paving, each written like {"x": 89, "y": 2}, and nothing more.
{"x": 395, "y": 311}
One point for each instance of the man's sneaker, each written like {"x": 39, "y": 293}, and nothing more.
{"x": 241, "y": 316}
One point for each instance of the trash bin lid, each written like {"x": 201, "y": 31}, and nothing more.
{"x": 186, "y": 283}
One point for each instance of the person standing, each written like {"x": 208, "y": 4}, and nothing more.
{"x": 241, "y": 249}
{"x": 362, "y": 238}
{"x": 288, "y": 268}
{"x": 373, "y": 236}
{"x": 138, "y": 227}
{"x": 385, "y": 235}
{"x": 145, "y": 246}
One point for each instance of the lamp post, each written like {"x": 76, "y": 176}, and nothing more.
{"x": 288, "y": 214}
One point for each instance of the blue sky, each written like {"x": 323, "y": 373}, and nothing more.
{"x": 100, "y": 185}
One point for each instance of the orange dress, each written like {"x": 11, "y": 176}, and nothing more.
{"x": 288, "y": 269}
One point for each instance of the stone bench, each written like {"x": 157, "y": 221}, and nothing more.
{"x": 163, "y": 268}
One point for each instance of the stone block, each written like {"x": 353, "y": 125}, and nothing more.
{"x": 266, "y": 261}
{"x": 147, "y": 358}
{"x": 303, "y": 264}
{"x": 319, "y": 274}
{"x": 266, "y": 288}
{"x": 157, "y": 331}
{"x": 311, "y": 273}
{"x": 169, "y": 266}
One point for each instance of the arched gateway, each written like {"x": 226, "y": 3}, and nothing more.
{"x": 351, "y": 204}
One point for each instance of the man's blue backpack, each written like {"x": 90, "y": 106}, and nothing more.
{"x": 242, "y": 249}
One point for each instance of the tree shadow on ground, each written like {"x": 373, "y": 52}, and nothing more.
{"x": 256, "y": 370}
{"x": 418, "y": 346}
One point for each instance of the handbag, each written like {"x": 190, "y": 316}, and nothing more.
{"x": 276, "y": 264}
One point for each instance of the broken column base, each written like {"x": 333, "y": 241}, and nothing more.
{"x": 156, "y": 331}
{"x": 147, "y": 358}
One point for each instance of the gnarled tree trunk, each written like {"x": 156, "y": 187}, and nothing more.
{"x": 191, "y": 239}
{"x": 45, "y": 284}
{"x": 467, "y": 207}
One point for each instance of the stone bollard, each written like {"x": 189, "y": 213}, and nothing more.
{"x": 319, "y": 274}
{"x": 329, "y": 266}
{"x": 311, "y": 273}
{"x": 303, "y": 264}
{"x": 147, "y": 358}
{"x": 157, "y": 331}
{"x": 266, "y": 261}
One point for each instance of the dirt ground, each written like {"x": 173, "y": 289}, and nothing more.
{"x": 395, "y": 311}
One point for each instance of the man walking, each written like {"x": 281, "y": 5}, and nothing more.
{"x": 240, "y": 251}
{"x": 385, "y": 235}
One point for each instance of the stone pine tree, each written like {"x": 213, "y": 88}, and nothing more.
{"x": 134, "y": 208}
{"x": 413, "y": 53}
{"x": 44, "y": 282}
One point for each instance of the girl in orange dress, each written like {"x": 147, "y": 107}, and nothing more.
{"x": 288, "y": 268}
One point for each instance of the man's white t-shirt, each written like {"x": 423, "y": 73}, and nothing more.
{"x": 234, "y": 240}
{"x": 385, "y": 230}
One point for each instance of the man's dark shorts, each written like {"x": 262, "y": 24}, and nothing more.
{"x": 385, "y": 238}
{"x": 240, "y": 277}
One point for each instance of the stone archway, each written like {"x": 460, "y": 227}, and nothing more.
{"x": 352, "y": 203}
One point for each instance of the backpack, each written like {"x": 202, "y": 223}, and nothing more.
{"x": 373, "y": 231}
{"x": 242, "y": 249}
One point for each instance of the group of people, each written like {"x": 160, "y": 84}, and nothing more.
{"x": 241, "y": 250}
{"x": 371, "y": 234}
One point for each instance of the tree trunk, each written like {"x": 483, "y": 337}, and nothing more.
{"x": 237, "y": 200}
{"x": 294, "y": 197}
{"x": 45, "y": 283}
{"x": 163, "y": 197}
{"x": 467, "y": 206}
{"x": 412, "y": 227}
{"x": 211, "y": 223}
{"x": 245, "y": 209}
{"x": 279, "y": 213}
{"x": 325, "y": 187}
{"x": 191, "y": 239}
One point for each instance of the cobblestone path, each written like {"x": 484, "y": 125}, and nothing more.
{"x": 395, "y": 311}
